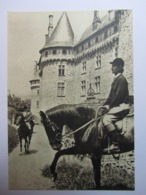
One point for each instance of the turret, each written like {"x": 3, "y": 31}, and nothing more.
{"x": 35, "y": 90}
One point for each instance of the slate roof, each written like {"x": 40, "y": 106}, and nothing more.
{"x": 62, "y": 35}
{"x": 89, "y": 31}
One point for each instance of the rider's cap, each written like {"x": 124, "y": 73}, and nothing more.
{"x": 118, "y": 62}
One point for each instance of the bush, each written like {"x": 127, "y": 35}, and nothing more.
{"x": 12, "y": 138}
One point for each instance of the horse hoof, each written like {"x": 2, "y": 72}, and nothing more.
{"x": 54, "y": 177}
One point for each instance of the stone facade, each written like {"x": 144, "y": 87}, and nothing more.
{"x": 78, "y": 73}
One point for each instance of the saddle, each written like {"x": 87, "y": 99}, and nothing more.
{"x": 123, "y": 124}
{"x": 96, "y": 128}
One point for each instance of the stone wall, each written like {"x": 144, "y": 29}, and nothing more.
{"x": 125, "y": 49}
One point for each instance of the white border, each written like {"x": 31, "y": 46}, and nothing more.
{"x": 138, "y": 7}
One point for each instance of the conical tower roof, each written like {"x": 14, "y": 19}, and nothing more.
{"x": 62, "y": 35}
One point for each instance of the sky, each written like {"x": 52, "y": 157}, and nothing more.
{"x": 26, "y": 36}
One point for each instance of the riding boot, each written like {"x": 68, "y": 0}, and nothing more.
{"x": 114, "y": 146}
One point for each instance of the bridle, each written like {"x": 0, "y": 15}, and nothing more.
{"x": 58, "y": 136}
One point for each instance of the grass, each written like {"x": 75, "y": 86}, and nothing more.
{"x": 78, "y": 176}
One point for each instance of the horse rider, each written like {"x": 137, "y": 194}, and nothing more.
{"x": 116, "y": 105}
{"x": 28, "y": 117}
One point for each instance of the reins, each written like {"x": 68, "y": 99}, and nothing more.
{"x": 68, "y": 134}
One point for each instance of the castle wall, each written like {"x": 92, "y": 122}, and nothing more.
{"x": 118, "y": 44}
{"x": 126, "y": 47}
{"x": 49, "y": 84}
{"x": 35, "y": 101}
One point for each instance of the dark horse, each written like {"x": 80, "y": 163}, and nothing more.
{"x": 75, "y": 117}
{"x": 24, "y": 132}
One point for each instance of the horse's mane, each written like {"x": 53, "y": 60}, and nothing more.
{"x": 71, "y": 111}
{"x": 60, "y": 108}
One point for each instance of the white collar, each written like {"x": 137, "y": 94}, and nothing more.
{"x": 118, "y": 75}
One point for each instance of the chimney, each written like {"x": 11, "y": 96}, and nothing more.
{"x": 46, "y": 39}
{"x": 96, "y": 20}
{"x": 50, "y": 28}
{"x": 109, "y": 15}
{"x": 95, "y": 14}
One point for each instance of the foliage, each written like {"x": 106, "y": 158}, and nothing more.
{"x": 12, "y": 138}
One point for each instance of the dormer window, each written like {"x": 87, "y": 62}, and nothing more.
{"x": 105, "y": 34}
{"x": 82, "y": 47}
{"x": 115, "y": 29}
{"x": 96, "y": 40}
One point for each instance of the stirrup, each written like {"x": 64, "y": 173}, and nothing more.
{"x": 112, "y": 148}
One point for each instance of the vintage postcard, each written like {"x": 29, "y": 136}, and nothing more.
{"x": 70, "y": 100}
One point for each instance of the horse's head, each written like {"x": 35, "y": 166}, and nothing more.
{"x": 52, "y": 131}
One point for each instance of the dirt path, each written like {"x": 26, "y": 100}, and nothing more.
{"x": 25, "y": 170}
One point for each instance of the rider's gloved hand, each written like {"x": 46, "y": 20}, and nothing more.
{"x": 102, "y": 110}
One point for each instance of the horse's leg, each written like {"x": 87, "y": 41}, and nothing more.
{"x": 29, "y": 140}
{"x": 20, "y": 139}
{"x": 69, "y": 151}
{"x": 26, "y": 144}
{"x": 96, "y": 162}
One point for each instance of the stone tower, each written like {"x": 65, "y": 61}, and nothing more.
{"x": 56, "y": 64}
{"x": 35, "y": 91}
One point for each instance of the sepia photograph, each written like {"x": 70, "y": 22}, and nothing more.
{"x": 71, "y": 100}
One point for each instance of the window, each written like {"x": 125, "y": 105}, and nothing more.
{"x": 46, "y": 53}
{"x": 115, "y": 29}
{"x": 49, "y": 52}
{"x": 54, "y": 52}
{"x": 84, "y": 67}
{"x": 37, "y": 104}
{"x": 82, "y": 47}
{"x": 64, "y": 51}
{"x": 61, "y": 89}
{"x": 116, "y": 52}
{"x": 105, "y": 34}
{"x": 98, "y": 61}
{"x": 38, "y": 92}
{"x": 83, "y": 88}
{"x": 96, "y": 40}
{"x": 97, "y": 84}
{"x": 61, "y": 70}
